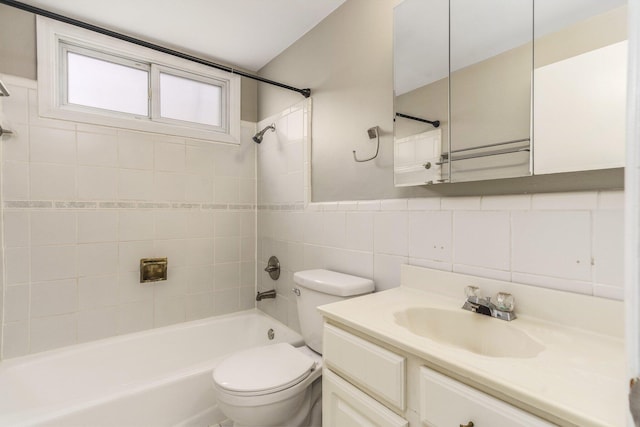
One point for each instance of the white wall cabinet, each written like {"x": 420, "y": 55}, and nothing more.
{"x": 354, "y": 396}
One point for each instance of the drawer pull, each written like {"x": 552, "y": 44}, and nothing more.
{"x": 469, "y": 424}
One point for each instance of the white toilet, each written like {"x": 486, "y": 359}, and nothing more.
{"x": 279, "y": 385}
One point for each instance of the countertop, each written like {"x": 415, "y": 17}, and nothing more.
{"x": 578, "y": 379}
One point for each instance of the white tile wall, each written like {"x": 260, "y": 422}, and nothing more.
{"x": 82, "y": 204}
{"x": 116, "y": 196}
{"x": 567, "y": 241}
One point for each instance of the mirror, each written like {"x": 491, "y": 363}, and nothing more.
{"x": 490, "y": 127}
{"x": 421, "y": 90}
{"x": 491, "y": 62}
{"x": 579, "y": 85}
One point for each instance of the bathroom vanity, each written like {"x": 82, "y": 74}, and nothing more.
{"x": 410, "y": 356}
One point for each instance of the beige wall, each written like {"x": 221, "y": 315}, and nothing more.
{"x": 347, "y": 62}
{"x": 18, "y": 55}
{"x": 17, "y": 42}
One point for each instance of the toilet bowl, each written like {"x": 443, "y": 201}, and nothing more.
{"x": 278, "y": 384}
{"x": 269, "y": 386}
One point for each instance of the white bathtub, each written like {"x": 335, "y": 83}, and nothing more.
{"x": 160, "y": 377}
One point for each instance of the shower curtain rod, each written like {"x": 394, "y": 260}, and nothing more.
{"x": 42, "y": 12}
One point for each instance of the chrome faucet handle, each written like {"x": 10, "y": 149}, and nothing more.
{"x": 505, "y": 302}
{"x": 472, "y": 293}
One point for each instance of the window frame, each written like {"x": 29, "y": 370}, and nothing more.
{"x": 155, "y": 109}
{"x": 55, "y": 38}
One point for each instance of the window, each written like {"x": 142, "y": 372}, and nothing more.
{"x": 87, "y": 77}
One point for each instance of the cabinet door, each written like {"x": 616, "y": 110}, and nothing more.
{"x": 343, "y": 405}
{"x": 445, "y": 402}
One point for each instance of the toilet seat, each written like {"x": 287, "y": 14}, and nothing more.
{"x": 263, "y": 370}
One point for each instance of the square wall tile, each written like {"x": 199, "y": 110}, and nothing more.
{"x": 226, "y": 223}
{"x": 53, "y": 228}
{"x": 608, "y": 247}
{"x": 96, "y": 149}
{"x": 16, "y": 148}
{"x": 16, "y": 107}
{"x": 16, "y": 228}
{"x": 334, "y": 224}
{"x": 130, "y": 253}
{"x": 97, "y": 323}
{"x": 169, "y": 311}
{"x": 48, "y": 145}
{"x": 226, "y": 301}
{"x": 135, "y": 316}
{"x": 552, "y": 243}
{"x": 481, "y": 238}
{"x": 15, "y": 180}
{"x": 200, "y": 224}
{"x": 201, "y": 251}
{"x": 52, "y": 182}
{"x": 198, "y": 189}
{"x": 97, "y": 226}
{"x": 169, "y": 187}
{"x": 199, "y": 306}
{"x": 135, "y": 150}
{"x": 17, "y": 265}
{"x": 135, "y": 184}
{"x": 227, "y": 249}
{"x": 16, "y": 306}
{"x": 199, "y": 161}
{"x": 386, "y": 271}
{"x": 430, "y": 235}
{"x": 52, "y": 298}
{"x": 97, "y": 183}
{"x": 136, "y": 225}
{"x": 349, "y": 262}
{"x": 97, "y": 259}
{"x": 15, "y": 339}
{"x": 52, "y": 332}
{"x": 53, "y": 263}
{"x": 95, "y": 292}
{"x": 169, "y": 156}
{"x": 391, "y": 233}
{"x": 227, "y": 276}
{"x": 200, "y": 279}
{"x": 171, "y": 224}
{"x": 313, "y": 227}
{"x": 359, "y": 231}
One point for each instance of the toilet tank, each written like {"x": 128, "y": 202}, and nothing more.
{"x": 318, "y": 287}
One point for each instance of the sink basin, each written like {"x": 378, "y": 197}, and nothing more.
{"x": 476, "y": 333}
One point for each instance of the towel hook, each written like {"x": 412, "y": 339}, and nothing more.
{"x": 373, "y": 132}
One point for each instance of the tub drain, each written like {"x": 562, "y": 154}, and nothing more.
{"x": 271, "y": 334}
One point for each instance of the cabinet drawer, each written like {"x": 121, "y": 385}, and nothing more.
{"x": 345, "y": 405}
{"x": 378, "y": 370}
{"x": 445, "y": 402}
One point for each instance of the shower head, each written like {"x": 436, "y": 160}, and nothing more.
{"x": 258, "y": 136}
{"x": 3, "y": 90}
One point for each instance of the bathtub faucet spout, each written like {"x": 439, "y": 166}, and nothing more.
{"x": 266, "y": 294}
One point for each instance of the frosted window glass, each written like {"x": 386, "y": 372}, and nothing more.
{"x": 102, "y": 84}
{"x": 190, "y": 100}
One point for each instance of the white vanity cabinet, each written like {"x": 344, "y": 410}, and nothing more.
{"x": 446, "y": 402}
{"x": 365, "y": 384}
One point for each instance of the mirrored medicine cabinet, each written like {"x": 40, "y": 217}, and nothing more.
{"x": 507, "y": 88}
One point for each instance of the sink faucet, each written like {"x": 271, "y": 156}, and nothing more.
{"x": 503, "y": 309}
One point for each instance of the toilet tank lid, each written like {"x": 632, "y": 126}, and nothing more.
{"x": 333, "y": 283}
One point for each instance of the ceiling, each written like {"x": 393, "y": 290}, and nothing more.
{"x": 243, "y": 33}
